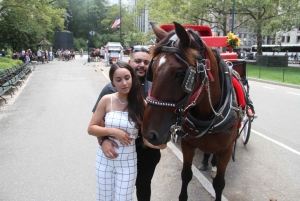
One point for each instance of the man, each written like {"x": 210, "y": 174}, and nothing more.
{"x": 39, "y": 55}
{"x": 23, "y": 58}
{"x": 147, "y": 158}
{"x": 3, "y": 53}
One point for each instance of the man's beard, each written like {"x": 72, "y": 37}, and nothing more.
{"x": 141, "y": 78}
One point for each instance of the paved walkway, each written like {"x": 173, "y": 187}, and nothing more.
{"x": 46, "y": 153}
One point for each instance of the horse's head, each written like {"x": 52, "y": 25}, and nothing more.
{"x": 175, "y": 70}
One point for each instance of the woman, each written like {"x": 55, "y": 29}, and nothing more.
{"x": 122, "y": 112}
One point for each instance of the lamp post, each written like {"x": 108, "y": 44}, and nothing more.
{"x": 88, "y": 28}
{"x": 232, "y": 23}
{"x": 120, "y": 24}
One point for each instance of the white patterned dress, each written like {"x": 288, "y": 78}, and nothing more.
{"x": 116, "y": 177}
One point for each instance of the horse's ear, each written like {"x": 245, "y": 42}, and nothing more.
{"x": 159, "y": 32}
{"x": 182, "y": 34}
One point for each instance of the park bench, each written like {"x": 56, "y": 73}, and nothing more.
{"x": 11, "y": 78}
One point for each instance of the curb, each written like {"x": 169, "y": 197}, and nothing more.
{"x": 275, "y": 83}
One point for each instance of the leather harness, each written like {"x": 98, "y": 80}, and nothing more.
{"x": 225, "y": 114}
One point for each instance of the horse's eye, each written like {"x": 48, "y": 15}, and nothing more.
{"x": 180, "y": 75}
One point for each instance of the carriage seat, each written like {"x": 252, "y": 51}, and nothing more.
{"x": 239, "y": 92}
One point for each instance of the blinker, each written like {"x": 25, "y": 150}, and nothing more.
{"x": 189, "y": 80}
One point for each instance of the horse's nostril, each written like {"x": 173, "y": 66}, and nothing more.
{"x": 153, "y": 136}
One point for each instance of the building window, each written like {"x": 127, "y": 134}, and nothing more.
{"x": 240, "y": 35}
{"x": 288, "y": 39}
{"x": 245, "y": 35}
{"x": 249, "y": 42}
{"x": 282, "y": 38}
{"x": 298, "y": 39}
{"x": 245, "y": 29}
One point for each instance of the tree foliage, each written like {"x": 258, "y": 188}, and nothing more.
{"x": 25, "y": 23}
{"x": 268, "y": 16}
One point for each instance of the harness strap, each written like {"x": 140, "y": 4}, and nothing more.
{"x": 170, "y": 49}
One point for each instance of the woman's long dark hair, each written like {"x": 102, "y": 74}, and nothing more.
{"x": 136, "y": 104}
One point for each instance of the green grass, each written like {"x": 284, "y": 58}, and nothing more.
{"x": 6, "y": 63}
{"x": 287, "y": 75}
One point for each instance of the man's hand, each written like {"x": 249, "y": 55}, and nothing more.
{"x": 109, "y": 150}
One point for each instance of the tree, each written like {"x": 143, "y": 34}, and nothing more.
{"x": 25, "y": 23}
{"x": 269, "y": 16}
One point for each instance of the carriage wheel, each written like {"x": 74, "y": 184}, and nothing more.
{"x": 246, "y": 125}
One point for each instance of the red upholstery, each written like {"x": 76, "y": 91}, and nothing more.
{"x": 239, "y": 92}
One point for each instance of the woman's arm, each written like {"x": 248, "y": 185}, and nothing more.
{"x": 97, "y": 129}
{"x": 148, "y": 144}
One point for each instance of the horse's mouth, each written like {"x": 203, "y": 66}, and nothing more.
{"x": 155, "y": 140}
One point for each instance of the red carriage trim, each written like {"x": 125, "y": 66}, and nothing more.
{"x": 202, "y": 30}
{"x": 239, "y": 92}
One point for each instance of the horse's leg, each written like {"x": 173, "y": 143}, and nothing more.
{"x": 186, "y": 172}
{"x": 219, "y": 181}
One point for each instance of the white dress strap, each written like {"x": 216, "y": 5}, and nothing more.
{"x": 111, "y": 106}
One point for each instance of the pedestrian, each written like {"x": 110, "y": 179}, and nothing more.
{"x": 122, "y": 113}
{"x": 23, "y": 58}
{"x": 15, "y": 54}
{"x": 147, "y": 158}
{"x": 50, "y": 55}
{"x": 46, "y": 55}
{"x": 27, "y": 58}
{"x": 39, "y": 55}
{"x": 3, "y": 53}
{"x": 59, "y": 54}
{"x": 43, "y": 57}
{"x": 81, "y": 52}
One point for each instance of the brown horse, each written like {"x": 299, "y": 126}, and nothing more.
{"x": 191, "y": 96}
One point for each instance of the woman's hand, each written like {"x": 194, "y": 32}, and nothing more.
{"x": 122, "y": 136}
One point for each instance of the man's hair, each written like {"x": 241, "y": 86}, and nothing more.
{"x": 141, "y": 50}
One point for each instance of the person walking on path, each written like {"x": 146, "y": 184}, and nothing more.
{"x": 3, "y": 53}
{"x": 39, "y": 56}
{"x": 147, "y": 158}
{"x": 27, "y": 58}
{"x": 123, "y": 112}
{"x": 81, "y": 52}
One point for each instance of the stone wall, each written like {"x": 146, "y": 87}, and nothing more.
{"x": 272, "y": 61}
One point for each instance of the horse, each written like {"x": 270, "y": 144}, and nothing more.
{"x": 95, "y": 54}
{"x": 192, "y": 97}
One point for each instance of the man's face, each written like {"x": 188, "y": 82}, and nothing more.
{"x": 139, "y": 62}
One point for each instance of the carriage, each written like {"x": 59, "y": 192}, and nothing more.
{"x": 114, "y": 51}
{"x": 198, "y": 96}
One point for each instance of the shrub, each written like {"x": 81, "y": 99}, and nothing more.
{"x": 6, "y": 63}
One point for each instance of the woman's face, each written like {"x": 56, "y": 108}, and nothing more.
{"x": 122, "y": 80}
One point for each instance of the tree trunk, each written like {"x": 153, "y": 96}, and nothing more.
{"x": 259, "y": 39}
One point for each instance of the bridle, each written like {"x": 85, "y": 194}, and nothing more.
{"x": 202, "y": 68}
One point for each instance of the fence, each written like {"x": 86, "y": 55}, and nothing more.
{"x": 289, "y": 75}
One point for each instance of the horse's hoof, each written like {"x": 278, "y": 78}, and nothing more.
{"x": 213, "y": 172}
{"x": 203, "y": 167}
